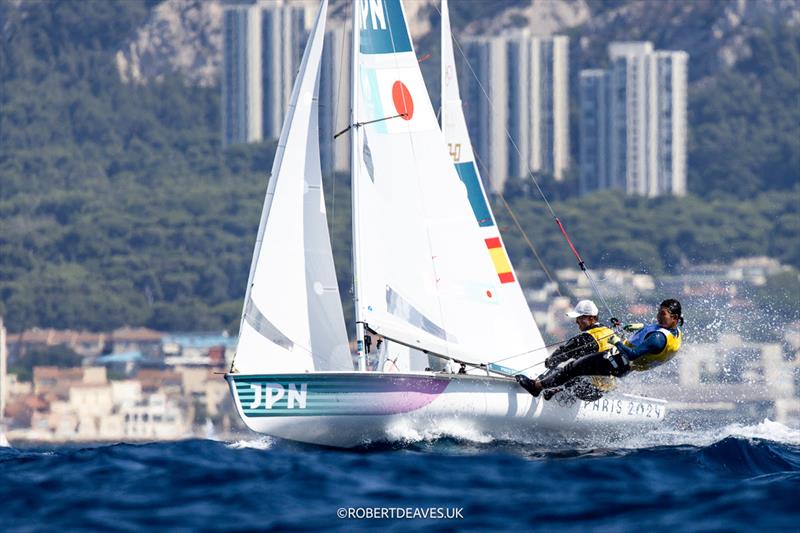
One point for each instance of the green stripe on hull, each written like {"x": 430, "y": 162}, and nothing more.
{"x": 326, "y": 395}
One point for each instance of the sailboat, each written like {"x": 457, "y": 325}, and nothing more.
{"x": 433, "y": 285}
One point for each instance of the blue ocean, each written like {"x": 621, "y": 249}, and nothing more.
{"x": 738, "y": 478}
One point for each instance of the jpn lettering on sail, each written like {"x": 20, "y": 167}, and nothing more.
{"x": 290, "y": 321}
{"x": 417, "y": 232}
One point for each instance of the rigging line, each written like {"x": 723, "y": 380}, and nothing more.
{"x": 480, "y": 366}
{"x": 542, "y": 362}
{"x": 522, "y": 231}
{"x": 359, "y": 124}
{"x": 530, "y": 244}
{"x": 549, "y": 346}
{"x": 581, "y": 263}
{"x": 532, "y": 366}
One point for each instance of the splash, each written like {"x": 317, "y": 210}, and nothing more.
{"x": 261, "y": 443}
{"x": 408, "y": 432}
{"x": 765, "y": 430}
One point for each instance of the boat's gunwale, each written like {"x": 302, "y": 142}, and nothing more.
{"x": 372, "y": 375}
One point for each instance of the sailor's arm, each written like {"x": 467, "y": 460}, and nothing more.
{"x": 574, "y": 347}
{"x": 653, "y": 343}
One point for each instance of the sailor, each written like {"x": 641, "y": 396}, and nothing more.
{"x": 650, "y": 346}
{"x": 594, "y": 338}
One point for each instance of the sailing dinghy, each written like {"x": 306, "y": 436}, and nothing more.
{"x": 431, "y": 276}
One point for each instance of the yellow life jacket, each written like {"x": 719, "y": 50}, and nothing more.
{"x": 602, "y": 334}
{"x": 673, "y": 344}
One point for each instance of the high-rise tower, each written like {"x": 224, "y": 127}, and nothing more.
{"x": 526, "y": 81}
{"x": 633, "y": 122}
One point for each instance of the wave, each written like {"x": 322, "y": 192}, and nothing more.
{"x": 767, "y": 430}
{"x": 715, "y": 479}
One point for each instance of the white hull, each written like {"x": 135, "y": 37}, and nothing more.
{"x": 348, "y": 409}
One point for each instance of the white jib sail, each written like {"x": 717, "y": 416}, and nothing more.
{"x": 292, "y": 319}
{"x": 426, "y": 274}
{"x": 454, "y": 129}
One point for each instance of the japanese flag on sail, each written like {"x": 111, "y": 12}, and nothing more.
{"x": 388, "y": 92}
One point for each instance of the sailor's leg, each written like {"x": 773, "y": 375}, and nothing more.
{"x": 589, "y": 365}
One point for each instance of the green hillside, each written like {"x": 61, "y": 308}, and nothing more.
{"x": 119, "y": 206}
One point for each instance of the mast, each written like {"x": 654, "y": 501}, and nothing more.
{"x": 354, "y": 188}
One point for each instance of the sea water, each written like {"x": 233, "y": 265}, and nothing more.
{"x": 736, "y": 478}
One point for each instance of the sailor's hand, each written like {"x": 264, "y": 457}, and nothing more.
{"x": 614, "y": 339}
{"x": 549, "y": 363}
{"x": 632, "y": 327}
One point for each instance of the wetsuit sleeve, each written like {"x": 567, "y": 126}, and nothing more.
{"x": 577, "y": 346}
{"x": 653, "y": 343}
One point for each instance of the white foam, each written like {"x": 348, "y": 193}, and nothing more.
{"x": 406, "y": 431}
{"x": 766, "y": 430}
{"x": 261, "y": 443}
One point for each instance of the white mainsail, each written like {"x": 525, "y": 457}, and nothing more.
{"x": 456, "y": 135}
{"x": 292, "y": 319}
{"x": 425, "y": 274}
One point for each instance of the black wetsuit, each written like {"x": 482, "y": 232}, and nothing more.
{"x": 577, "y": 346}
{"x": 577, "y": 383}
{"x": 593, "y": 364}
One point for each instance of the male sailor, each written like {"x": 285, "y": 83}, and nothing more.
{"x": 594, "y": 338}
{"x": 649, "y": 347}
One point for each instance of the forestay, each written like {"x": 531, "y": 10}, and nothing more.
{"x": 292, "y": 319}
{"x": 425, "y": 273}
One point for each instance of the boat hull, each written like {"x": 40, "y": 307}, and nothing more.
{"x": 348, "y": 409}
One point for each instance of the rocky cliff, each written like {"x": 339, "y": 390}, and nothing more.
{"x": 185, "y": 35}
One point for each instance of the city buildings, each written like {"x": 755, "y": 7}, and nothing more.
{"x": 263, "y": 42}
{"x": 516, "y": 94}
{"x": 262, "y": 46}
{"x": 283, "y": 37}
{"x": 522, "y": 126}
{"x": 633, "y": 122}
{"x": 334, "y": 99}
{"x": 241, "y": 74}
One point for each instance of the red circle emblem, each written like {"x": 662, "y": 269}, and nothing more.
{"x": 402, "y": 100}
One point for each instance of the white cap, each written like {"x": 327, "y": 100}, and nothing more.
{"x": 584, "y": 307}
